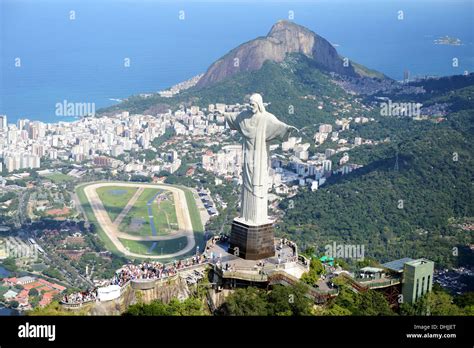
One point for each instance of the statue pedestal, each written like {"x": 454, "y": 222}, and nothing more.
{"x": 252, "y": 242}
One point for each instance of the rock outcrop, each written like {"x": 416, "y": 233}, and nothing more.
{"x": 284, "y": 37}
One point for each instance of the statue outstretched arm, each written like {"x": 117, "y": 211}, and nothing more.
{"x": 231, "y": 120}
{"x": 278, "y": 129}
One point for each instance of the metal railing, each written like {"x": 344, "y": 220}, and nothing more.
{"x": 260, "y": 277}
{"x": 278, "y": 277}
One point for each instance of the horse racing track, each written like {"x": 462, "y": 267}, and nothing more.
{"x": 142, "y": 220}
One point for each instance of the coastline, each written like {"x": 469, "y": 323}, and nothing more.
{"x": 165, "y": 93}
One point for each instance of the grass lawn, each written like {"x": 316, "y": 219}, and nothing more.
{"x": 164, "y": 213}
{"x": 137, "y": 221}
{"x": 115, "y": 198}
{"x": 59, "y": 178}
{"x": 165, "y": 246}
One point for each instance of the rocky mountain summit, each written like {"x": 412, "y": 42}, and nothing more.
{"x": 284, "y": 37}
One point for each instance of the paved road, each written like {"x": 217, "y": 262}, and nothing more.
{"x": 112, "y": 231}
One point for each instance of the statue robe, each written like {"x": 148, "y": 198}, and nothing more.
{"x": 256, "y": 130}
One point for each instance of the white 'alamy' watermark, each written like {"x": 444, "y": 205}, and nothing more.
{"x": 400, "y": 109}
{"x": 37, "y": 331}
{"x": 345, "y": 251}
{"x": 70, "y": 109}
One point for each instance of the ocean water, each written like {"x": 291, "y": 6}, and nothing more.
{"x": 83, "y": 59}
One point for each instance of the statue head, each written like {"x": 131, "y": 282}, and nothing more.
{"x": 256, "y": 103}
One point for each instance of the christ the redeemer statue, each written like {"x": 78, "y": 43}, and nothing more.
{"x": 257, "y": 127}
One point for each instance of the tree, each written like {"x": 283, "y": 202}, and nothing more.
{"x": 465, "y": 300}
{"x": 289, "y": 300}
{"x": 34, "y": 301}
{"x": 441, "y": 303}
{"x": 33, "y": 292}
{"x": 246, "y": 302}
{"x": 155, "y": 308}
{"x": 10, "y": 264}
{"x": 164, "y": 173}
{"x": 337, "y": 310}
{"x": 309, "y": 278}
{"x": 189, "y": 307}
{"x": 365, "y": 303}
{"x": 342, "y": 263}
{"x": 55, "y": 309}
{"x": 53, "y": 273}
{"x": 437, "y": 302}
{"x": 372, "y": 303}
{"x": 316, "y": 268}
{"x": 140, "y": 178}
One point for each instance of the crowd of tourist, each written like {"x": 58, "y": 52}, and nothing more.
{"x": 156, "y": 270}
{"x": 153, "y": 270}
{"x": 144, "y": 270}
{"x": 292, "y": 245}
{"x": 80, "y": 297}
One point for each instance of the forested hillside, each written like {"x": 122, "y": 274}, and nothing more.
{"x": 412, "y": 212}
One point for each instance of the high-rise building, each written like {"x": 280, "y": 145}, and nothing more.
{"x": 12, "y": 136}
{"x": 102, "y": 161}
{"x": 406, "y": 76}
{"x": 38, "y": 150}
{"x": 22, "y": 123}
{"x": 3, "y": 122}
{"x": 417, "y": 279}
{"x": 33, "y": 130}
{"x": 327, "y": 165}
{"x": 12, "y": 163}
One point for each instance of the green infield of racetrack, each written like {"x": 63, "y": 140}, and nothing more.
{"x": 198, "y": 228}
{"x": 115, "y": 198}
{"x": 162, "y": 247}
{"x": 164, "y": 215}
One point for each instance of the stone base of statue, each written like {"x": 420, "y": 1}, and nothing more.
{"x": 252, "y": 242}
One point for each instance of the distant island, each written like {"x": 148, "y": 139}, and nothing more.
{"x": 447, "y": 40}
